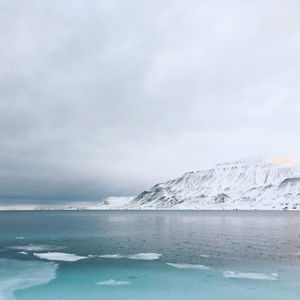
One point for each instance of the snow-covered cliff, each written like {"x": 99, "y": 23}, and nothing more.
{"x": 247, "y": 184}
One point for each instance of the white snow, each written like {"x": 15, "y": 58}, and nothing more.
{"x": 112, "y": 203}
{"x": 244, "y": 185}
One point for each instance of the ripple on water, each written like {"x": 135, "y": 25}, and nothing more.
{"x": 37, "y": 248}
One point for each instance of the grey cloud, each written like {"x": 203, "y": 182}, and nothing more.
{"x": 109, "y": 97}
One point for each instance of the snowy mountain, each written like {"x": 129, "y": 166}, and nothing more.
{"x": 246, "y": 184}
{"x": 112, "y": 203}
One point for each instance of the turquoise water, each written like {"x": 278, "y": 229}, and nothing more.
{"x": 213, "y": 255}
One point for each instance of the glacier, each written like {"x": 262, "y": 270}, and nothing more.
{"x": 262, "y": 184}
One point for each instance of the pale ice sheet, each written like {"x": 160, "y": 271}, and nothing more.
{"x": 59, "y": 256}
{"x": 115, "y": 256}
{"x": 145, "y": 256}
{"x": 138, "y": 256}
{"x": 250, "y": 275}
{"x": 16, "y": 275}
{"x": 113, "y": 282}
{"x": 189, "y": 266}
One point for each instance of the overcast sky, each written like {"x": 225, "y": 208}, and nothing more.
{"x": 110, "y": 97}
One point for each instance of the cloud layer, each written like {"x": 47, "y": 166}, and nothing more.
{"x": 109, "y": 97}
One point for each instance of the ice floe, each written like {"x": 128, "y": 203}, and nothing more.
{"x": 59, "y": 256}
{"x": 189, "y": 266}
{"x": 116, "y": 256}
{"x": 113, "y": 282}
{"x": 17, "y": 274}
{"x": 37, "y": 248}
{"x": 250, "y": 275}
{"x": 138, "y": 256}
{"x": 145, "y": 256}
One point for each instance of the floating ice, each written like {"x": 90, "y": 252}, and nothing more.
{"x": 59, "y": 256}
{"x": 113, "y": 282}
{"x": 23, "y": 252}
{"x": 253, "y": 276}
{"x": 116, "y": 256}
{"x": 37, "y": 248}
{"x": 189, "y": 266}
{"x": 145, "y": 256}
{"x": 138, "y": 256}
{"x": 16, "y": 275}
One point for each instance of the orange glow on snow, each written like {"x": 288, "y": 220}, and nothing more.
{"x": 284, "y": 160}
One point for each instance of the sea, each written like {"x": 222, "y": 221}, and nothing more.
{"x": 146, "y": 255}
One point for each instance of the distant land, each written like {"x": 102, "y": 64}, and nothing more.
{"x": 262, "y": 184}
{"x": 251, "y": 184}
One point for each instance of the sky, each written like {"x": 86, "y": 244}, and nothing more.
{"x": 102, "y": 98}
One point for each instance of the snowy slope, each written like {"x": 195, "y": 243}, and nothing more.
{"x": 112, "y": 203}
{"x": 247, "y": 184}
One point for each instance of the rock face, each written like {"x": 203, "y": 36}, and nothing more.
{"x": 247, "y": 184}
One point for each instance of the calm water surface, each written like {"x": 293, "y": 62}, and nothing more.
{"x": 217, "y": 255}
